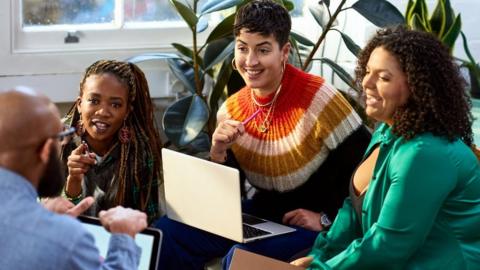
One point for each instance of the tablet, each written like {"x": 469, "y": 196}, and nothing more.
{"x": 149, "y": 240}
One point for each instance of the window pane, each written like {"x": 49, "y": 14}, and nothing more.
{"x": 149, "y": 10}
{"x": 52, "y": 12}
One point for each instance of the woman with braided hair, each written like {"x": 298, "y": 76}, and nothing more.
{"x": 115, "y": 155}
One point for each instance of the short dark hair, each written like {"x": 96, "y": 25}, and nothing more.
{"x": 438, "y": 102}
{"x": 265, "y": 17}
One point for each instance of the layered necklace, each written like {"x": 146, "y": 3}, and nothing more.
{"x": 264, "y": 124}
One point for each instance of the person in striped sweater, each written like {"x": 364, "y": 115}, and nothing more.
{"x": 295, "y": 138}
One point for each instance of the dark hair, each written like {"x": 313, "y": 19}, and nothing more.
{"x": 143, "y": 149}
{"x": 438, "y": 102}
{"x": 265, "y": 17}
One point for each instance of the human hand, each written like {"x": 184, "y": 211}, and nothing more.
{"x": 226, "y": 133}
{"x": 303, "y": 262}
{"x": 304, "y": 218}
{"x": 61, "y": 205}
{"x": 79, "y": 162}
{"x": 123, "y": 220}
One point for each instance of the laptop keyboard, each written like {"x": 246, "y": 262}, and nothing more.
{"x": 250, "y": 232}
{"x": 251, "y": 220}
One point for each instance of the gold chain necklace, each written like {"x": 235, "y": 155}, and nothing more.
{"x": 265, "y": 123}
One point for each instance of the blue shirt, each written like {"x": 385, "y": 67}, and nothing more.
{"x": 31, "y": 237}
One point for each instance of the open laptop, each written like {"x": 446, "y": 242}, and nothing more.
{"x": 206, "y": 195}
{"x": 245, "y": 260}
{"x": 149, "y": 240}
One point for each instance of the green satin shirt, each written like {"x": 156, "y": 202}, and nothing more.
{"x": 421, "y": 210}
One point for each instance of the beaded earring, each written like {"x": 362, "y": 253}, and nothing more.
{"x": 124, "y": 134}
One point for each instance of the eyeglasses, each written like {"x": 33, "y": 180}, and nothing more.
{"x": 65, "y": 135}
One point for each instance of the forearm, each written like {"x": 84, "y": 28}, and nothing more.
{"x": 73, "y": 188}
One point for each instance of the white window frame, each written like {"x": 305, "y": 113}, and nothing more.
{"x": 43, "y": 51}
{"x": 42, "y": 39}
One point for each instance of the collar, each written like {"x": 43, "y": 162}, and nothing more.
{"x": 11, "y": 180}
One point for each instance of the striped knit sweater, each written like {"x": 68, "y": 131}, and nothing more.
{"x": 310, "y": 118}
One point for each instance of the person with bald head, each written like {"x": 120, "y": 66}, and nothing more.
{"x": 32, "y": 235}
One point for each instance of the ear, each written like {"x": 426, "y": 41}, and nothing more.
{"x": 45, "y": 149}
{"x": 79, "y": 104}
{"x": 286, "y": 51}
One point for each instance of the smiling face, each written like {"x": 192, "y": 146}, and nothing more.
{"x": 260, "y": 60}
{"x": 103, "y": 106}
{"x": 385, "y": 86}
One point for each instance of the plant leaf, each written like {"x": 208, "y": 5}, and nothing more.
{"x": 449, "y": 15}
{"x": 467, "y": 50}
{"x": 351, "y": 45}
{"x": 289, "y": 5}
{"x": 452, "y": 34}
{"x": 184, "y": 72}
{"x": 186, "y": 12}
{"x": 418, "y": 24}
{"x": 219, "y": 87}
{"x": 217, "y": 51}
{"x": 216, "y": 5}
{"x": 380, "y": 12}
{"x": 326, "y": 2}
{"x": 183, "y": 50}
{"x": 301, "y": 39}
{"x": 153, "y": 56}
{"x": 223, "y": 29}
{"x": 320, "y": 14}
{"x": 438, "y": 19}
{"x": 185, "y": 119}
{"x": 347, "y": 78}
{"x": 202, "y": 24}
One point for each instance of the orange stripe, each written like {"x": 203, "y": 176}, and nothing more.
{"x": 276, "y": 165}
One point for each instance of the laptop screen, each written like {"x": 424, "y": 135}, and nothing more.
{"x": 148, "y": 240}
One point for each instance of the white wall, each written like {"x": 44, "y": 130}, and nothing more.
{"x": 62, "y": 85}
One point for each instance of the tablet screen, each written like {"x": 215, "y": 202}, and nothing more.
{"x": 148, "y": 240}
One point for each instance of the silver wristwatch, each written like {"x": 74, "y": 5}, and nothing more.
{"x": 324, "y": 220}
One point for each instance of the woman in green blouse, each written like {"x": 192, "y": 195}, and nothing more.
{"x": 415, "y": 198}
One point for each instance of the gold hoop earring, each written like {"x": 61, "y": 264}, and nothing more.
{"x": 234, "y": 66}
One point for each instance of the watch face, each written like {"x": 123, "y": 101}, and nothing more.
{"x": 325, "y": 221}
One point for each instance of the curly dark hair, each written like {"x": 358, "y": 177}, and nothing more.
{"x": 265, "y": 17}
{"x": 438, "y": 102}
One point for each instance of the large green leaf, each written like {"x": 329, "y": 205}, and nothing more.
{"x": 351, "y": 45}
{"x": 452, "y": 34}
{"x": 340, "y": 72}
{"x": 184, "y": 72}
{"x": 216, "y": 5}
{"x": 438, "y": 19}
{"x": 320, "y": 14}
{"x": 217, "y": 51}
{"x": 185, "y": 119}
{"x": 223, "y": 29}
{"x": 187, "y": 14}
{"x": 380, "y": 12}
{"x": 301, "y": 39}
